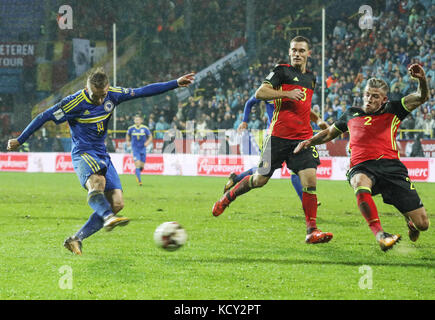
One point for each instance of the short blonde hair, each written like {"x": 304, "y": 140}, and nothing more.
{"x": 98, "y": 78}
{"x": 378, "y": 83}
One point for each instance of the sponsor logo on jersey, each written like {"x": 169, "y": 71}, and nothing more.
{"x": 295, "y": 79}
{"x": 86, "y": 112}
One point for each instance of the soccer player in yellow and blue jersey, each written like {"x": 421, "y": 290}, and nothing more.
{"x": 139, "y": 136}
{"x": 88, "y": 112}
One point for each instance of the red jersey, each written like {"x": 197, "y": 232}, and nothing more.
{"x": 372, "y": 136}
{"x": 291, "y": 118}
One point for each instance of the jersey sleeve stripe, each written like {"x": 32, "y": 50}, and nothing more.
{"x": 113, "y": 89}
{"x": 337, "y": 128}
{"x": 73, "y": 103}
{"x": 403, "y": 104}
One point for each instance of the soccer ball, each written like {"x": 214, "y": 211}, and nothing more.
{"x": 170, "y": 236}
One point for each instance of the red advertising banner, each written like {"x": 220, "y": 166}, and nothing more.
{"x": 219, "y": 166}
{"x": 64, "y": 163}
{"x": 418, "y": 170}
{"x": 154, "y": 164}
{"x": 324, "y": 170}
{"x": 14, "y": 162}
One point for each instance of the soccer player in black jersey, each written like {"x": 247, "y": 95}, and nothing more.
{"x": 375, "y": 167}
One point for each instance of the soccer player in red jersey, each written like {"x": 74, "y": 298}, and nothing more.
{"x": 291, "y": 87}
{"x": 375, "y": 167}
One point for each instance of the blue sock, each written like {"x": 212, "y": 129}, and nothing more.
{"x": 138, "y": 171}
{"x": 97, "y": 201}
{"x": 94, "y": 224}
{"x": 296, "y": 182}
{"x": 244, "y": 174}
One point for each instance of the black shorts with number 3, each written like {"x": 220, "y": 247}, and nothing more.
{"x": 277, "y": 150}
{"x": 390, "y": 179}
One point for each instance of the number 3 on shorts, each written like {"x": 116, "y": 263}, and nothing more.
{"x": 412, "y": 186}
{"x": 315, "y": 153}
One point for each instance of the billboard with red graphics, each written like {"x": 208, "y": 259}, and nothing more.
{"x": 63, "y": 163}
{"x": 219, "y": 166}
{"x": 330, "y": 168}
{"x": 14, "y": 161}
{"x": 154, "y": 164}
{"x": 418, "y": 170}
{"x": 324, "y": 170}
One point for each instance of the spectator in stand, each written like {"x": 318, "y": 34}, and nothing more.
{"x": 254, "y": 123}
{"x": 428, "y": 126}
{"x": 161, "y": 126}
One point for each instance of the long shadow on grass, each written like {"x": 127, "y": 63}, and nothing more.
{"x": 241, "y": 260}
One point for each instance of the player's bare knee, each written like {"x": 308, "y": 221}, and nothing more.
{"x": 422, "y": 224}
{"x": 258, "y": 180}
{"x": 96, "y": 183}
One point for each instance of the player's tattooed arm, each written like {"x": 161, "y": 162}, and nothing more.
{"x": 322, "y": 137}
{"x": 414, "y": 100}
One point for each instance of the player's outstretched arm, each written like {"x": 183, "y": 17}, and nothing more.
{"x": 152, "y": 89}
{"x": 267, "y": 92}
{"x": 414, "y": 100}
{"x": 322, "y": 137}
{"x": 37, "y": 122}
{"x": 186, "y": 80}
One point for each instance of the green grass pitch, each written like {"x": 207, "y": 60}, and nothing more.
{"x": 255, "y": 250}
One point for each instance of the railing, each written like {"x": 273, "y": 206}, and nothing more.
{"x": 204, "y": 132}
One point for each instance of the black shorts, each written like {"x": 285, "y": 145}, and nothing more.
{"x": 277, "y": 150}
{"x": 390, "y": 179}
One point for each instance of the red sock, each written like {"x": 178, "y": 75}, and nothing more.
{"x": 368, "y": 209}
{"x": 309, "y": 203}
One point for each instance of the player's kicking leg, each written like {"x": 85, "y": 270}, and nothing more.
{"x": 246, "y": 184}
{"x": 234, "y": 178}
{"x": 105, "y": 205}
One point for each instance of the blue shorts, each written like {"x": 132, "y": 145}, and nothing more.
{"x": 89, "y": 163}
{"x": 139, "y": 155}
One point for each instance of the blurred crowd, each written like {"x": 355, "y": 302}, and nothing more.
{"x": 402, "y": 34}
{"x": 182, "y": 36}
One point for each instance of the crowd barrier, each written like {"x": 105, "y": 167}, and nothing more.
{"x": 331, "y": 168}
